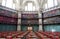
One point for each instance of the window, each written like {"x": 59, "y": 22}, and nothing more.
{"x": 26, "y": 9}
{"x": 3, "y": 2}
{"x": 33, "y": 8}
{"x": 50, "y": 4}
{"x": 29, "y": 7}
{"x": 13, "y": 7}
{"x": 8, "y": 3}
{"x": 56, "y": 3}
{"x": 45, "y": 6}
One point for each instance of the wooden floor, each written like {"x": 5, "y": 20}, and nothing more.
{"x": 29, "y": 35}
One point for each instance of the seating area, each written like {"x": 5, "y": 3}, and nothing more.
{"x": 48, "y": 35}
{"x": 29, "y": 35}
{"x": 13, "y": 34}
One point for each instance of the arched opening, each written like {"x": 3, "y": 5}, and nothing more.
{"x": 30, "y": 7}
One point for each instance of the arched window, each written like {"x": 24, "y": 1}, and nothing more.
{"x": 29, "y": 7}
{"x": 50, "y": 4}
{"x": 8, "y": 3}
{"x": 3, "y": 2}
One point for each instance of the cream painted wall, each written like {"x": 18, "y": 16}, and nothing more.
{"x": 58, "y": 2}
{"x": 0, "y": 2}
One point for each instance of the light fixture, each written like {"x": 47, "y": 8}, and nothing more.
{"x": 53, "y": 30}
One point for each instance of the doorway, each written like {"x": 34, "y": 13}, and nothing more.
{"x": 29, "y": 28}
{"x": 26, "y": 28}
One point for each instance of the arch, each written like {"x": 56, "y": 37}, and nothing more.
{"x": 29, "y": 2}
{"x": 34, "y": 2}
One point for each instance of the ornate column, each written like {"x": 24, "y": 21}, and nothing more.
{"x": 40, "y": 21}
{"x": 19, "y": 21}
{"x": 19, "y": 8}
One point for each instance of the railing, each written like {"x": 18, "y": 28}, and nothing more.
{"x": 29, "y": 12}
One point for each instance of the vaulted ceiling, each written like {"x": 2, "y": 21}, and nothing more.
{"x": 38, "y": 3}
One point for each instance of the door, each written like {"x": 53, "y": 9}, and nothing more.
{"x": 29, "y": 28}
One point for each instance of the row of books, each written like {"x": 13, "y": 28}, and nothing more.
{"x": 8, "y": 20}
{"x": 8, "y": 13}
{"x": 30, "y": 22}
{"x": 51, "y": 13}
{"x": 29, "y": 15}
{"x": 27, "y": 19}
{"x": 52, "y": 20}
